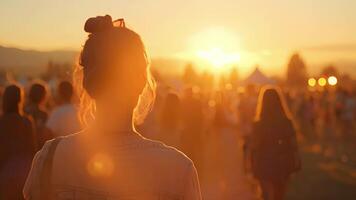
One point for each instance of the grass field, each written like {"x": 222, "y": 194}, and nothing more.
{"x": 323, "y": 178}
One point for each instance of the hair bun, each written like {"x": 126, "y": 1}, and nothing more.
{"x": 98, "y": 24}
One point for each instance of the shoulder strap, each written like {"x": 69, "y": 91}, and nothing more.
{"x": 46, "y": 174}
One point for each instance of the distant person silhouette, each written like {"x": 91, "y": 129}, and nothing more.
{"x": 17, "y": 144}
{"x": 347, "y": 116}
{"x": 109, "y": 159}
{"x": 273, "y": 142}
{"x": 192, "y": 122}
{"x": 36, "y": 109}
{"x": 64, "y": 118}
{"x": 170, "y": 121}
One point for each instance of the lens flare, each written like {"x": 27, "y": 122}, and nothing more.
{"x": 100, "y": 165}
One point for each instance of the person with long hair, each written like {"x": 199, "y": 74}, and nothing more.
{"x": 273, "y": 144}
{"x": 17, "y": 144}
{"x": 109, "y": 159}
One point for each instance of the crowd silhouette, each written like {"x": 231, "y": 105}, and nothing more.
{"x": 117, "y": 132}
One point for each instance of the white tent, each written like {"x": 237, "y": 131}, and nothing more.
{"x": 258, "y": 78}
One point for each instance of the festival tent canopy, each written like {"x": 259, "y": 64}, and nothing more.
{"x": 258, "y": 78}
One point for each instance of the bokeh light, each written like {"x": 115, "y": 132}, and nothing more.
{"x": 312, "y": 82}
{"x": 228, "y": 86}
{"x": 322, "y": 81}
{"x": 332, "y": 80}
{"x": 212, "y": 103}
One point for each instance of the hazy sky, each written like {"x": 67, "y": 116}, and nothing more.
{"x": 260, "y": 30}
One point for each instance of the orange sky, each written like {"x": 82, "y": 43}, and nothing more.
{"x": 260, "y": 32}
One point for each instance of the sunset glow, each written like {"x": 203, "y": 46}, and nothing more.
{"x": 202, "y": 99}
{"x": 250, "y": 32}
{"x": 218, "y": 58}
{"x": 214, "y": 49}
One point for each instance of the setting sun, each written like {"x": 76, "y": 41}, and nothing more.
{"x": 215, "y": 49}
{"x": 218, "y": 58}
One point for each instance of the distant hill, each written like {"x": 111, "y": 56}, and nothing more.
{"x": 32, "y": 61}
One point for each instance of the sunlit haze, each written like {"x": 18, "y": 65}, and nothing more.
{"x": 178, "y": 99}
{"x": 223, "y": 33}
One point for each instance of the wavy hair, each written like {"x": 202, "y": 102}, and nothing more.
{"x": 111, "y": 53}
